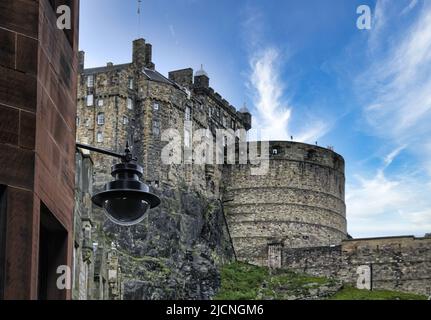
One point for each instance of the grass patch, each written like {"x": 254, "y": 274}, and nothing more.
{"x": 350, "y": 293}
{"x": 242, "y": 281}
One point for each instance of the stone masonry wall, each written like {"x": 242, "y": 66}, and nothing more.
{"x": 298, "y": 203}
{"x": 396, "y": 263}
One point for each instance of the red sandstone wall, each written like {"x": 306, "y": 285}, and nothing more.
{"x": 38, "y": 67}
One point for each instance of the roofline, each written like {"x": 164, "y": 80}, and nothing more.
{"x": 388, "y": 237}
{"x": 105, "y": 68}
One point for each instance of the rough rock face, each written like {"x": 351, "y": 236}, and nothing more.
{"x": 175, "y": 253}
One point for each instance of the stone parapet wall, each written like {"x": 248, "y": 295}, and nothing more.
{"x": 396, "y": 263}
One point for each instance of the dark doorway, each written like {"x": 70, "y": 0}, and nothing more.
{"x": 52, "y": 254}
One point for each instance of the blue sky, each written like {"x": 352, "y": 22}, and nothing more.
{"x": 304, "y": 69}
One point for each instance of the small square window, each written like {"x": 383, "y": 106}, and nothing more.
{"x": 100, "y": 102}
{"x": 101, "y": 118}
{"x": 274, "y": 151}
{"x": 224, "y": 121}
{"x": 129, "y": 103}
{"x": 156, "y": 128}
{"x": 90, "y": 81}
{"x": 99, "y": 137}
{"x": 233, "y": 124}
{"x": 125, "y": 120}
{"x": 90, "y": 100}
{"x": 156, "y": 106}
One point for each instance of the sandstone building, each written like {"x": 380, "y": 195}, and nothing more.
{"x": 292, "y": 216}
{"x": 38, "y": 74}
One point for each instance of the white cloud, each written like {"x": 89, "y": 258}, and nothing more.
{"x": 391, "y": 206}
{"x": 273, "y": 110}
{"x": 391, "y": 156}
{"x": 273, "y": 113}
{"x": 398, "y": 86}
{"x": 410, "y": 7}
{"x": 396, "y": 91}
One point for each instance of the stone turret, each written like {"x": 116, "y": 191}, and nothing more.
{"x": 245, "y": 114}
{"x": 201, "y": 79}
{"x": 183, "y": 77}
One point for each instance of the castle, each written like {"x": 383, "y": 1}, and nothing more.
{"x": 292, "y": 216}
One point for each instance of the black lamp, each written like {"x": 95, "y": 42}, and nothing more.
{"x": 125, "y": 200}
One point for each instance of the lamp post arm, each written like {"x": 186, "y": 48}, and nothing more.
{"x": 102, "y": 151}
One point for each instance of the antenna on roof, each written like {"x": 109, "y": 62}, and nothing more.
{"x": 139, "y": 17}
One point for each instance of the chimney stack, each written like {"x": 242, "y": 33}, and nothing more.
{"x": 149, "y": 56}
{"x": 81, "y": 61}
{"x": 139, "y": 53}
{"x": 142, "y": 54}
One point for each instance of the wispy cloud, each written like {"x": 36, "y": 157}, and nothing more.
{"x": 398, "y": 85}
{"x": 396, "y": 91}
{"x": 273, "y": 113}
{"x": 391, "y": 156}
{"x": 410, "y": 7}
{"x": 270, "y": 91}
{"x": 388, "y": 204}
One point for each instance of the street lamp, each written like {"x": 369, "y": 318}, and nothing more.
{"x": 125, "y": 200}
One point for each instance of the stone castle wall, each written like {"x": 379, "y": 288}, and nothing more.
{"x": 396, "y": 263}
{"x": 135, "y": 100}
{"x": 298, "y": 203}
{"x": 293, "y": 216}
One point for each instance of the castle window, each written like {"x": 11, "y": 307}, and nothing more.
{"x": 210, "y": 111}
{"x": 233, "y": 124}
{"x": 77, "y": 121}
{"x": 100, "y": 102}
{"x": 125, "y": 120}
{"x": 224, "y": 121}
{"x": 275, "y": 151}
{"x": 188, "y": 115}
{"x": 90, "y": 100}
{"x": 99, "y": 137}
{"x": 101, "y": 118}
{"x": 90, "y": 81}
{"x": 156, "y": 128}
{"x": 129, "y": 104}
{"x": 131, "y": 84}
{"x": 156, "y": 106}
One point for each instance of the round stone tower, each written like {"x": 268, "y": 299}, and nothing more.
{"x": 298, "y": 203}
